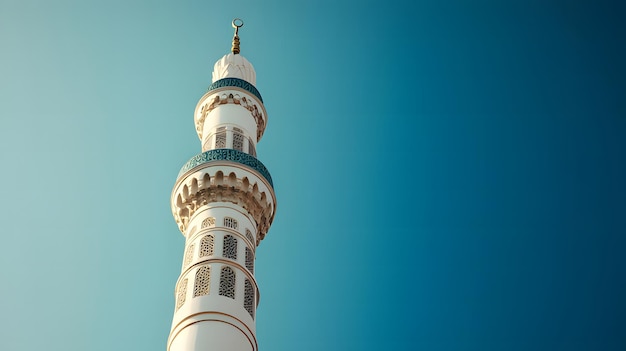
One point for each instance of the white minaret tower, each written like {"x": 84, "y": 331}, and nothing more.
{"x": 224, "y": 204}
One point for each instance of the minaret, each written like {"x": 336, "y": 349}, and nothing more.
{"x": 224, "y": 204}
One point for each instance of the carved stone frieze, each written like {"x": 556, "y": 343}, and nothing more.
{"x": 230, "y": 98}
{"x": 238, "y": 83}
{"x": 203, "y": 189}
{"x": 227, "y": 155}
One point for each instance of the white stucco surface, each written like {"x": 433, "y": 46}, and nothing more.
{"x": 224, "y": 208}
{"x": 234, "y": 66}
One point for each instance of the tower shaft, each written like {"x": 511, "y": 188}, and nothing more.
{"x": 224, "y": 204}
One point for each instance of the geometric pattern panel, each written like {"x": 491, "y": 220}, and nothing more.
{"x": 249, "y": 236}
{"x": 182, "y": 293}
{"x": 206, "y": 246}
{"x": 236, "y": 82}
{"x": 228, "y": 155}
{"x": 248, "y": 299}
{"x": 230, "y": 247}
{"x": 208, "y": 222}
{"x": 230, "y": 222}
{"x": 203, "y": 280}
{"x": 237, "y": 141}
{"x": 220, "y": 140}
{"x": 189, "y": 255}
{"x": 249, "y": 260}
{"x": 227, "y": 282}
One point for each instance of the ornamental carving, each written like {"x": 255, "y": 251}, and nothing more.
{"x": 202, "y": 189}
{"x": 249, "y": 236}
{"x": 236, "y": 99}
{"x": 188, "y": 255}
{"x": 238, "y": 83}
{"x": 248, "y": 299}
{"x": 227, "y": 282}
{"x": 227, "y": 155}
{"x": 249, "y": 260}
{"x": 182, "y": 294}
{"x": 206, "y": 246}
{"x": 231, "y": 223}
{"x": 202, "y": 282}
{"x": 208, "y": 222}
{"x": 230, "y": 247}
{"x": 237, "y": 140}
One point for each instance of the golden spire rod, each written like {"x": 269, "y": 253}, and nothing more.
{"x": 237, "y": 23}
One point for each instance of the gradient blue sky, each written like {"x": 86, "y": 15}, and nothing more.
{"x": 450, "y": 174}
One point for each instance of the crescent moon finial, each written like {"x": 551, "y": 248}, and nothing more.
{"x": 237, "y": 23}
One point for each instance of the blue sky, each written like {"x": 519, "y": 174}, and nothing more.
{"x": 449, "y": 174}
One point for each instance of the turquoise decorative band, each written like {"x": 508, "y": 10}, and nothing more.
{"x": 236, "y": 82}
{"x": 227, "y": 155}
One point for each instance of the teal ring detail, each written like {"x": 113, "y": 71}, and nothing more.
{"x": 227, "y": 155}
{"x": 236, "y": 82}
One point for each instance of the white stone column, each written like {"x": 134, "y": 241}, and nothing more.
{"x": 224, "y": 204}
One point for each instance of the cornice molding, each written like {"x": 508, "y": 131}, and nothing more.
{"x": 257, "y": 111}
{"x": 227, "y": 155}
{"x": 202, "y": 189}
{"x": 238, "y": 83}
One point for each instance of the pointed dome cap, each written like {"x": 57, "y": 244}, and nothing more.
{"x": 234, "y": 66}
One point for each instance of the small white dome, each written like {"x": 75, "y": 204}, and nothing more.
{"x": 234, "y": 66}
